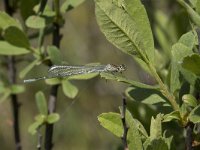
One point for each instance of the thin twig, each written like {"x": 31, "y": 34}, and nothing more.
{"x": 12, "y": 78}
{"x": 53, "y": 95}
{"x": 39, "y": 145}
{"x": 123, "y": 116}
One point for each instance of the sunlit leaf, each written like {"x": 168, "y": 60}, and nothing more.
{"x": 41, "y": 102}
{"x": 8, "y": 49}
{"x": 122, "y": 30}
{"x": 83, "y": 76}
{"x": 112, "y": 122}
{"x": 69, "y": 89}
{"x": 175, "y": 115}
{"x": 156, "y": 127}
{"x": 52, "y": 118}
{"x": 7, "y": 21}
{"x": 36, "y": 22}
{"x": 33, "y": 128}
{"x": 190, "y": 100}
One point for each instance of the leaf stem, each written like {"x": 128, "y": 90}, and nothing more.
{"x": 163, "y": 87}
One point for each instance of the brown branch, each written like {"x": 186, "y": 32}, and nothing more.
{"x": 123, "y": 116}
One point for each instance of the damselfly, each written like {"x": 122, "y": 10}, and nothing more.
{"x": 65, "y": 71}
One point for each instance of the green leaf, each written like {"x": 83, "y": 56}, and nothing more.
{"x": 26, "y": 8}
{"x": 70, "y": 4}
{"x": 156, "y": 127}
{"x": 33, "y": 127}
{"x": 198, "y": 7}
{"x": 193, "y": 15}
{"x": 7, "y": 21}
{"x": 190, "y": 100}
{"x": 52, "y": 118}
{"x": 146, "y": 96}
{"x": 138, "y": 13}
{"x": 157, "y": 144}
{"x": 45, "y": 11}
{"x": 134, "y": 139}
{"x": 175, "y": 115}
{"x": 41, "y": 118}
{"x": 16, "y": 37}
{"x": 194, "y": 115}
{"x": 8, "y": 49}
{"x": 121, "y": 29}
{"x": 188, "y": 39}
{"x": 55, "y": 55}
{"x": 135, "y": 132}
{"x": 109, "y": 76}
{"x": 179, "y": 51}
{"x": 112, "y": 122}
{"x": 53, "y": 81}
{"x": 83, "y": 76}
{"x": 17, "y": 89}
{"x": 28, "y": 68}
{"x": 136, "y": 123}
{"x": 192, "y": 64}
{"x": 69, "y": 89}
{"x": 41, "y": 102}
{"x": 36, "y": 22}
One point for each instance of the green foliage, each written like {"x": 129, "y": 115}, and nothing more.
{"x": 69, "y": 89}
{"x": 41, "y": 102}
{"x": 126, "y": 27}
{"x": 192, "y": 63}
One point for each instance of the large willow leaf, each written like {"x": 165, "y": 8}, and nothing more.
{"x": 123, "y": 28}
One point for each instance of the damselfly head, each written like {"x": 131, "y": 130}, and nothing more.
{"x": 121, "y": 68}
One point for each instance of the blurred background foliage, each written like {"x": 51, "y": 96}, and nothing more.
{"x": 82, "y": 43}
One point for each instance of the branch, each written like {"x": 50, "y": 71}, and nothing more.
{"x": 123, "y": 116}
{"x": 53, "y": 95}
{"x": 12, "y": 79}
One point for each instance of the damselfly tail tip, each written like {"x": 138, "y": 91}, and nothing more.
{"x": 34, "y": 79}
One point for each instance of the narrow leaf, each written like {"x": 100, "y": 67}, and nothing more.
{"x": 41, "y": 102}
{"x": 33, "y": 128}
{"x": 109, "y": 76}
{"x": 175, "y": 115}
